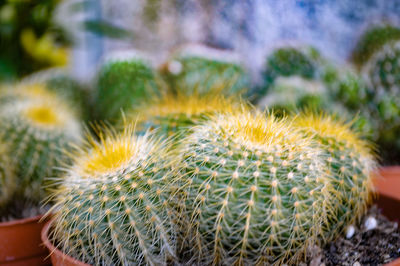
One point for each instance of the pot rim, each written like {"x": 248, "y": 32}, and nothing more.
{"x": 53, "y": 250}
{"x": 33, "y": 219}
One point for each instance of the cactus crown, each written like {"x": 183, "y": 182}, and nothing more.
{"x": 112, "y": 205}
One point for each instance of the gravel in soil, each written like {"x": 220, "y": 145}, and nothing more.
{"x": 370, "y": 244}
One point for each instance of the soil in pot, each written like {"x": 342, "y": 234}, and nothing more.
{"x": 367, "y": 246}
{"x": 20, "y": 242}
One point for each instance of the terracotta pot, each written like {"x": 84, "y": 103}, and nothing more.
{"x": 387, "y": 185}
{"x": 20, "y": 243}
{"x": 57, "y": 257}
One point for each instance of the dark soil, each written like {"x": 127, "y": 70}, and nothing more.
{"x": 20, "y": 210}
{"x": 377, "y": 246}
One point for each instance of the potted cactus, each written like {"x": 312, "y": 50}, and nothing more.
{"x": 198, "y": 69}
{"x": 36, "y": 127}
{"x": 112, "y": 207}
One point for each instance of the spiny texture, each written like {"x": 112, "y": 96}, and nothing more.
{"x": 176, "y": 114}
{"x": 200, "y": 70}
{"x": 37, "y": 130}
{"x": 372, "y": 41}
{"x": 112, "y": 205}
{"x": 7, "y": 177}
{"x": 382, "y": 73}
{"x": 255, "y": 191}
{"x": 349, "y": 163}
{"x": 121, "y": 85}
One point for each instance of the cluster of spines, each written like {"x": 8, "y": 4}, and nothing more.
{"x": 113, "y": 205}
{"x": 37, "y": 128}
{"x": 255, "y": 191}
{"x": 124, "y": 84}
{"x": 349, "y": 161}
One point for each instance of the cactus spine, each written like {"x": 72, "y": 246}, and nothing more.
{"x": 37, "y": 129}
{"x": 112, "y": 206}
{"x": 349, "y": 163}
{"x": 7, "y": 177}
{"x": 255, "y": 190}
{"x": 176, "y": 114}
{"x": 122, "y": 84}
{"x": 200, "y": 70}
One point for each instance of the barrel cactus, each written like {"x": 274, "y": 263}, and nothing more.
{"x": 382, "y": 73}
{"x": 174, "y": 114}
{"x": 112, "y": 205}
{"x": 37, "y": 130}
{"x": 7, "y": 177}
{"x": 350, "y": 163}
{"x": 196, "y": 69}
{"x": 371, "y": 41}
{"x": 255, "y": 190}
{"x": 123, "y": 81}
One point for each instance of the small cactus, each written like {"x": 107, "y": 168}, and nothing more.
{"x": 112, "y": 205}
{"x": 174, "y": 114}
{"x": 7, "y": 177}
{"x": 382, "y": 76}
{"x": 198, "y": 70}
{"x": 350, "y": 163}
{"x": 37, "y": 129}
{"x": 255, "y": 190}
{"x": 122, "y": 83}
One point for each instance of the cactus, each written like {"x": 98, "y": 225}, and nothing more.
{"x": 286, "y": 62}
{"x": 371, "y": 41}
{"x": 175, "y": 114}
{"x": 256, "y": 190}
{"x": 7, "y": 177}
{"x": 382, "y": 76}
{"x": 112, "y": 205}
{"x": 350, "y": 163}
{"x": 197, "y": 70}
{"x": 37, "y": 129}
{"x": 122, "y": 83}
{"x": 59, "y": 81}
{"x": 289, "y": 94}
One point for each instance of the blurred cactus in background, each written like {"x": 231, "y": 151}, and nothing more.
{"x": 8, "y": 181}
{"x": 175, "y": 114}
{"x": 30, "y": 40}
{"x": 38, "y": 128}
{"x": 112, "y": 207}
{"x": 198, "y": 70}
{"x": 123, "y": 82}
{"x": 382, "y": 73}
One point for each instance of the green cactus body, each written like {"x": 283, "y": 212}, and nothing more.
{"x": 350, "y": 164}
{"x": 198, "y": 70}
{"x": 123, "y": 84}
{"x": 372, "y": 41}
{"x": 255, "y": 191}
{"x": 111, "y": 208}
{"x": 175, "y": 114}
{"x": 382, "y": 73}
{"x": 37, "y": 130}
{"x": 7, "y": 177}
